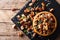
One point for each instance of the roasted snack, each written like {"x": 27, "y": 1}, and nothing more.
{"x": 51, "y": 9}
{"x": 30, "y": 4}
{"x": 20, "y": 34}
{"x": 26, "y": 10}
{"x": 35, "y": 18}
{"x": 43, "y": 5}
{"x": 44, "y": 23}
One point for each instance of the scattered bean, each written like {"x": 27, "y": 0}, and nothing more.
{"x": 20, "y": 34}
{"x": 34, "y": 35}
{"x": 32, "y": 9}
{"x": 43, "y": 4}
{"x": 22, "y": 27}
{"x": 26, "y": 10}
{"x": 18, "y": 16}
{"x": 40, "y": 9}
{"x": 37, "y": 8}
{"x": 30, "y": 4}
{"x": 51, "y": 9}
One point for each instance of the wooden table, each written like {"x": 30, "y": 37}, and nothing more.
{"x": 6, "y": 30}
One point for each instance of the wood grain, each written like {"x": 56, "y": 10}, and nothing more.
{"x": 9, "y": 4}
{"x": 6, "y": 13}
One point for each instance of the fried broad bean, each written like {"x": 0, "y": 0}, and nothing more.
{"x": 32, "y": 9}
{"x": 51, "y": 9}
{"x": 30, "y": 28}
{"x": 43, "y": 8}
{"x": 26, "y": 10}
{"x": 14, "y": 27}
{"x": 40, "y": 9}
{"x": 20, "y": 34}
{"x": 32, "y": 15}
{"x": 37, "y": 8}
{"x": 34, "y": 34}
{"x": 18, "y": 16}
{"x": 43, "y": 5}
{"x": 22, "y": 27}
{"x": 30, "y": 4}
